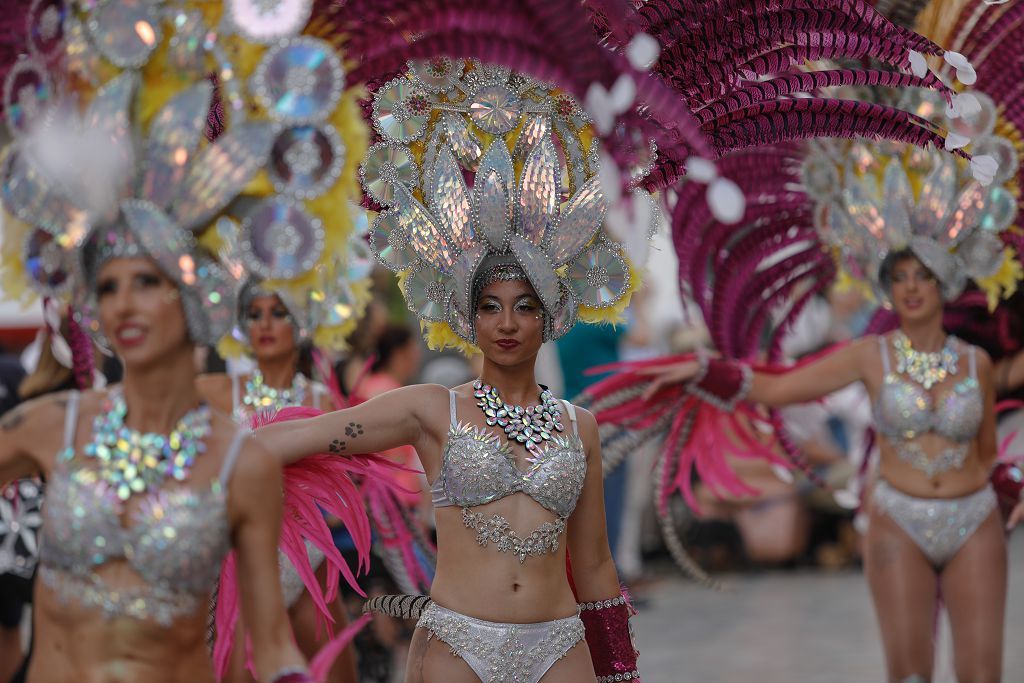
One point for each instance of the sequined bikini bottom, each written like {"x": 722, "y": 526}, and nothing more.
{"x": 291, "y": 583}
{"x": 939, "y": 526}
{"x": 503, "y": 653}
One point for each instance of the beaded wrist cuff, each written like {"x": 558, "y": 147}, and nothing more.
{"x": 292, "y": 674}
{"x": 722, "y": 383}
{"x": 628, "y": 676}
{"x": 603, "y": 604}
{"x": 609, "y": 639}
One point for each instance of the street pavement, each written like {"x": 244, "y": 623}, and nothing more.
{"x": 785, "y": 627}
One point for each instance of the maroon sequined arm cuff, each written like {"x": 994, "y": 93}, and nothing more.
{"x": 292, "y": 675}
{"x": 722, "y": 383}
{"x": 610, "y": 639}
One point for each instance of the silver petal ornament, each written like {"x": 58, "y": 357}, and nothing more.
{"x": 450, "y": 200}
{"x": 174, "y": 136}
{"x": 220, "y": 171}
{"x": 539, "y": 192}
{"x": 581, "y": 219}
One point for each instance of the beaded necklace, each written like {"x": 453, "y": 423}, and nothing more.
{"x": 133, "y": 462}
{"x": 927, "y": 368}
{"x": 259, "y": 396}
{"x": 530, "y": 426}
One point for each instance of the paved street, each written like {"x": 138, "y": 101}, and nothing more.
{"x": 784, "y": 627}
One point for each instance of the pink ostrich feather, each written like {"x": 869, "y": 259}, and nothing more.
{"x": 313, "y": 486}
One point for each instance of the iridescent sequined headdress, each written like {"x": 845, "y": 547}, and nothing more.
{"x": 266, "y": 191}
{"x": 482, "y": 169}
{"x": 876, "y": 199}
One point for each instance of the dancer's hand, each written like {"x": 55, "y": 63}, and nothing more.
{"x": 664, "y": 375}
{"x": 1016, "y": 516}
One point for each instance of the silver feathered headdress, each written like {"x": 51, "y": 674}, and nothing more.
{"x": 517, "y": 142}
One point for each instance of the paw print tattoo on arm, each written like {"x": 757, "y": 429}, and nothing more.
{"x": 353, "y": 430}
{"x": 337, "y": 447}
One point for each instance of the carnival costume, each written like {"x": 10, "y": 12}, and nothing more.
{"x": 821, "y": 211}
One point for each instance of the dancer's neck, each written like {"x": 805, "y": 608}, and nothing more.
{"x": 279, "y": 373}
{"x": 158, "y": 396}
{"x": 517, "y": 384}
{"x": 927, "y": 336}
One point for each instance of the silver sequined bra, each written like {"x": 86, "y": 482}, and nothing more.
{"x": 478, "y": 468}
{"x": 905, "y": 411}
{"x": 176, "y": 540}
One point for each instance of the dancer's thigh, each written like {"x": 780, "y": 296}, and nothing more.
{"x": 903, "y": 586}
{"x": 432, "y": 661}
{"x": 974, "y": 589}
{"x": 574, "y": 667}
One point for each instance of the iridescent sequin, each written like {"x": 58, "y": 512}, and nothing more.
{"x": 175, "y": 542}
{"x": 904, "y": 411}
{"x": 259, "y": 396}
{"x": 478, "y": 468}
{"x": 939, "y": 526}
{"x": 503, "y": 653}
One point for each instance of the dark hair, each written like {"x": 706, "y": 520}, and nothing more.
{"x": 888, "y": 266}
{"x": 393, "y": 337}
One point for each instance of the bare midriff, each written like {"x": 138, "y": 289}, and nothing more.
{"x": 484, "y": 583}
{"x": 73, "y": 643}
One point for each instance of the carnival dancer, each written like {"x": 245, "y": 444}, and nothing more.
{"x": 148, "y": 489}
{"x": 279, "y": 340}
{"x": 514, "y": 472}
{"x": 122, "y": 240}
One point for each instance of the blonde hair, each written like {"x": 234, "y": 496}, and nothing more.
{"x": 49, "y": 374}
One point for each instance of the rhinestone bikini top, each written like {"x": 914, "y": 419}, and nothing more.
{"x": 905, "y": 411}
{"x": 175, "y": 539}
{"x": 478, "y": 468}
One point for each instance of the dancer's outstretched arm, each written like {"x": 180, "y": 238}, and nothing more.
{"x": 401, "y": 417}
{"x": 799, "y": 385}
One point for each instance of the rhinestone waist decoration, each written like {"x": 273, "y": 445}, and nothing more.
{"x": 951, "y": 458}
{"x": 496, "y": 529}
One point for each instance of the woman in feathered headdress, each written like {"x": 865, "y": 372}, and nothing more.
{"x": 493, "y": 218}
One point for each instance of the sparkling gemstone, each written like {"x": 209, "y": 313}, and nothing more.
{"x": 495, "y": 109}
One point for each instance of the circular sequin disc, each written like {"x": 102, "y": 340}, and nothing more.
{"x": 1004, "y": 153}
{"x": 495, "y": 109}
{"x": 437, "y": 74}
{"x": 599, "y": 276}
{"x": 981, "y": 123}
{"x": 428, "y": 295}
{"x": 390, "y": 241}
{"x": 300, "y": 80}
{"x": 27, "y": 94}
{"x": 1002, "y": 209}
{"x": 280, "y": 239}
{"x": 46, "y": 27}
{"x": 216, "y": 291}
{"x": 401, "y": 110}
{"x": 126, "y": 31}
{"x": 49, "y": 265}
{"x": 305, "y": 160}
{"x": 266, "y": 21}
{"x": 386, "y": 165}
